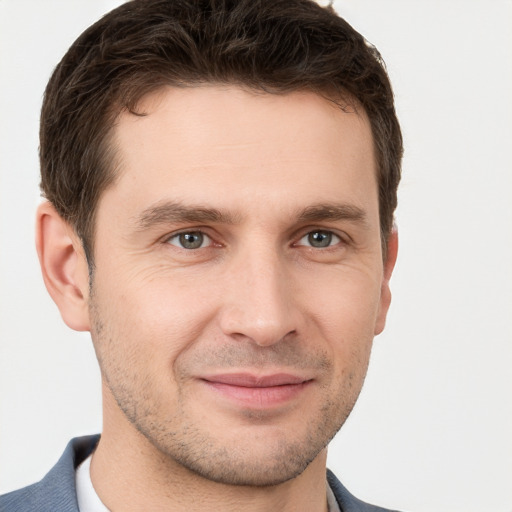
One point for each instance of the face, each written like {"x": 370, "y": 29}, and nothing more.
{"x": 238, "y": 278}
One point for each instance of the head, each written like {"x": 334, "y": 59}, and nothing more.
{"x": 275, "y": 47}
{"x": 222, "y": 179}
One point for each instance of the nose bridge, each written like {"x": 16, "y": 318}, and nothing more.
{"x": 260, "y": 303}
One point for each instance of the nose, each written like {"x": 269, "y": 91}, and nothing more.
{"x": 258, "y": 300}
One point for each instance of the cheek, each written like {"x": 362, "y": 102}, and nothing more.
{"x": 347, "y": 304}
{"x": 149, "y": 322}
{"x": 345, "y": 314}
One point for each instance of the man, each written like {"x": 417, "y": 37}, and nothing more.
{"x": 220, "y": 181}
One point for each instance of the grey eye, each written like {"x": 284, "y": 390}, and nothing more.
{"x": 320, "y": 239}
{"x": 190, "y": 240}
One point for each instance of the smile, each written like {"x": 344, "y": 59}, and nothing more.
{"x": 259, "y": 392}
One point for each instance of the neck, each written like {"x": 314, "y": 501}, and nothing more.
{"x": 130, "y": 474}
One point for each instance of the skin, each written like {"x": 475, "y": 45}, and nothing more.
{"x": 260, "y": 182}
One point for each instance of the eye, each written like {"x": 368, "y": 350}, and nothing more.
{"x": 190, "y": 240}
{"x": 320, "y": 239}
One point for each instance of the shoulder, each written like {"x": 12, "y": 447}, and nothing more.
{"x": 56, "y": 491}
{"x": 348, "y": 502}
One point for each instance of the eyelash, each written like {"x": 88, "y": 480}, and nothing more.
{"x": 330, "y": 235}
{"x": 324, "y": 232}
{"x": 196, "y": 232}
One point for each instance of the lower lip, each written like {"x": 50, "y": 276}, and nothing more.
{"x": 259, "y": 397}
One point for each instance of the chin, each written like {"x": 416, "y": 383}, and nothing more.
{"x": 251, "y": 473}
{"x": 255, "y": 459}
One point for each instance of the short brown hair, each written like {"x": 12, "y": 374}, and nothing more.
{"x": 275, "y": 46}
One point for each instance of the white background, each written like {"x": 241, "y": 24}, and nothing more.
{"x": 433, "y": 428}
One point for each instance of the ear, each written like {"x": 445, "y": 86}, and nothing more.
{"x": 64, "y": 266}
{"x": 385, "y": 292}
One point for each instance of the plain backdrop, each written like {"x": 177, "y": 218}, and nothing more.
{"x": 432, "y": 430}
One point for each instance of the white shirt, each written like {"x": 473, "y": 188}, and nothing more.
{"x": 88, "y": 499}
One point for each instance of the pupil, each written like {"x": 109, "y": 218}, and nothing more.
{"x": 320, "y": 239}
{"x": 191, "y": 240}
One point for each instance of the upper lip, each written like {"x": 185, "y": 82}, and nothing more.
{"x": 250, "y": 380}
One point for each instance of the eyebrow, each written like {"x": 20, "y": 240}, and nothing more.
{"x": 333, "y": 212}
{"x": 168, "y": 212}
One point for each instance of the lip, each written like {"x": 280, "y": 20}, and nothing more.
{"x": 257, "y": 391}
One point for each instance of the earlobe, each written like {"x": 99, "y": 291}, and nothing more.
{"x": 64, "y": 266}
{"x": 385, "y": 294}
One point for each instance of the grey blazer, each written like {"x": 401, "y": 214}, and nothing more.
{"x": 56, "y": 492}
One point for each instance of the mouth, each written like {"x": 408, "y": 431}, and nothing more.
{"x": 257, "y": 391}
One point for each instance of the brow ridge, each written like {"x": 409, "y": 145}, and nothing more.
{"x": 170, "y": 211}
{"x": 333, "y": 212}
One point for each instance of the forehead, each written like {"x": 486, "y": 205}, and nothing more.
{"x": 220, "y": 144}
